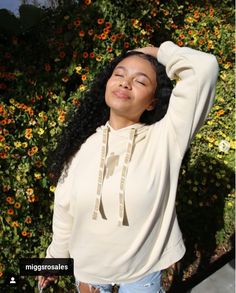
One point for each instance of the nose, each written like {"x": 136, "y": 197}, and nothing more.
{"x": 125, "y": 83}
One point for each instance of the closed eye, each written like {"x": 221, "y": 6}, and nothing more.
{"x": 140, "y": 82}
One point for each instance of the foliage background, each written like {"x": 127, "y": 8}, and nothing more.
{"x": 48, "y": 57}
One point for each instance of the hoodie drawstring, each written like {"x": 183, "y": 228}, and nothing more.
{"x": 98, "y": 203}
{"x": 123, "y": 220}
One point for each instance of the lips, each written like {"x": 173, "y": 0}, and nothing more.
{"x": 121, "y": 95}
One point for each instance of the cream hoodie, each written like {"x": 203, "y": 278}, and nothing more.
{"x": 114, "y": 213}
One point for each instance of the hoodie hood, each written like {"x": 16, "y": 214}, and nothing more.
{"x": 130, "y": 136}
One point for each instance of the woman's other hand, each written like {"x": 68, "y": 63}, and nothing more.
{"x": 43, "y": 281}
{"x": 151, "y": 50}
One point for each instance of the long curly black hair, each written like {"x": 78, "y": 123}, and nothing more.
{"x": 93, "y": 112}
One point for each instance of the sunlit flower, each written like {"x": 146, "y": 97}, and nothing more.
{"x": 109, "y": 49}
{"x": 17, "y": 144}
{"x": 84, "y": 77}
{"x": 40, "y": 131}
{"x": 24, "y": 233}
{"x": 10, "y": 200}
{"x": 224, "y": 146}
{"x": 15, "y": 224}
{"x": 211, "y": 12}
{"x": 220, "y": 113}
{"x": 28, "y": 133}
{"x": 113, "y": 38}
{"x": 17, "y": 205}
{"x": 3, "y": 155}
{"x": 10, "y": 211}
{"x": 52, "y": 188}
{"x": 29, "y": 191}
{"x": 87, "y": 2}
{"x": 180, "y": 43}
{"x": 103, "y": 36}
{"x": 135, "y": 22}
{"x": 37, "y": 175}
{"x": 78, "y": 69}
{"x": 82, "y": 87}
{"x": 28, "y": 220}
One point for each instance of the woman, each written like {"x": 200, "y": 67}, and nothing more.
{"x": 114, "y": 210}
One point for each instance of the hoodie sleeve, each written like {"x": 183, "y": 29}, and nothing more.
{"x": 62, "y": 219}
{"x": 196, "y": 74}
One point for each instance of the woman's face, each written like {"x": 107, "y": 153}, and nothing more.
{"x": 131, "y": 88}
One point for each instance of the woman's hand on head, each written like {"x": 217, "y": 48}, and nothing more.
{"x": 43, "y": 281}
{"x": 148, "y": 50}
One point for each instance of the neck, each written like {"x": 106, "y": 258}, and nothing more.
{"x": 119, "y": 122}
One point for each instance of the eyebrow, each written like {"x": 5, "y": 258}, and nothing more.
{"x": 137, "y": 73}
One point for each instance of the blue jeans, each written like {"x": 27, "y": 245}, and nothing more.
{"x": 148, "y": 284}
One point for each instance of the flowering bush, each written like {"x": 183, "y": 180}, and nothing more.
{"x": 43, "y": 73}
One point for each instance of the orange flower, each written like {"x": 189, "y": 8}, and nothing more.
{"x": 17, "y": 205}
{"x": 103, "y": 36}
{"x": 61, "y": 117}
{"x": 15, "y": 224}
{"x": 10, "y": 200}
{"x": 31, "y": 198}
{"x": 106, "y": 30}
{"x": 24, "y": 233}
{"x": 2, "y": 138}
{"x": 190, "y": 32}
{"x": 10, "y": 211}
{"x": 180, "y": 43}
{"x": 77, "y": 22}
{"x": 182, "y": 36}
{"x": 75, "y": 102}
{"x": 113, "y": 38}
{"x": 28, "y": 133}
{"x": 201, "y": 41}
{"x": 126, "y": 45}
{"x": 81, "y": 33}
{"x": 29, "y": 191}
{"x": 87, "y": 2}
{"x": 100, "y": 21}
{"x": 84, "y": 77}
{"x": 109, "y": 49}
{"x": 3, "y": 155}
{"x": 211, "y": 12}
{"x": 220, "y": 113}
{"x": 108, "y": 24}
{"x": 98, "y": 58}
{"x": 28, "y": 220}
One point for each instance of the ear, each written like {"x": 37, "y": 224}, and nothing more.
{"x": 152, "y": 105}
